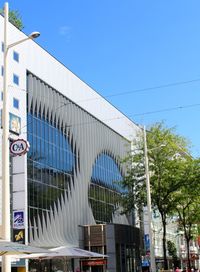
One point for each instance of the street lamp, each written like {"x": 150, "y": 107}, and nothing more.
{"x": 152, "y": 255}
{"x": 5, "y": 140}
{"x": 32, "y": 36}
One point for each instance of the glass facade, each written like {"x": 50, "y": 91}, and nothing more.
{"x": 104, "y": 190}
{"x": 60, "y": 133}
{"x": 51, "y": 165}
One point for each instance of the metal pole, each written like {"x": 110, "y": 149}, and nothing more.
{"x": 152, "y": 255}
{"x": 6, "y": 267}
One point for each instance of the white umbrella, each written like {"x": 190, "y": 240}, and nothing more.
{"x": 65, "y": 253}
{"x": 75, "y": 251}
{"x": 11, "y": 248}
{"x": 68, "y": 252}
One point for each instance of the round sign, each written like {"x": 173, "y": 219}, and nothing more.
{"x": 19, "y": 147}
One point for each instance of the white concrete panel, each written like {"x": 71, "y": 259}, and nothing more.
{"x": 18, "y": 165}
{"x": 18, "y": 200}
{"x": 18, "y": 182}
{"x": 0, "y": 201}
{"x": 0, "y": 177}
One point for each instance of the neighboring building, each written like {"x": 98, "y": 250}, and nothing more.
{"x": 69, "y": 178}
{"x": 174, "y": 235}
{"x": 157, "y": 230}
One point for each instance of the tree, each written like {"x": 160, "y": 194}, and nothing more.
{"x": 166, "y": 167}
{"x": 187, "y": 205}
{"x": 14, "y": 18}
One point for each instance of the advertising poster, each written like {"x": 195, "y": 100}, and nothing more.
{"x": 14, "y": 123}
{"x": 19, "y": 236}
{"x": 18, "y": 220}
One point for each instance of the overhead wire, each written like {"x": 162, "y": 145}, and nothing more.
{"x": 162, "y": 86}
{"x": 168, "y": 109}
{"x": 130, "y": 92}
{"x": 173, "y": 84}
{"x": 132, "y": 115}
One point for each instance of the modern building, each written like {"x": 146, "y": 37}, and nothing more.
{"x": 70, "y": 176}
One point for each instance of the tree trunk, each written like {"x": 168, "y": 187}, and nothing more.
{"x": 164, "y": 242}
{"x": 188, "y": 254}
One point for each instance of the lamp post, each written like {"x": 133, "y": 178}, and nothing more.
{"x": 5, "y": 140}
{"x": 152, "y": 255}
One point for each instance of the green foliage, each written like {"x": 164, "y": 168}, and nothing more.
{"x": 165, "y": 168}
{"x": 188, "y": 204}
{"x": 171, "y": 170}
{"x": 171, "y": 249}
{"x": 187, "y": 199}
{"x": 14, "y": 18}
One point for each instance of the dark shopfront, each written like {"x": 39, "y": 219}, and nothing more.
{"x": 120, "y": 242}
{"x": 51, "y": 265}
{"x": 98, "y": 265}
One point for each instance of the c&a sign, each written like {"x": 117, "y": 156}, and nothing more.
{"x": 19, "y": 147}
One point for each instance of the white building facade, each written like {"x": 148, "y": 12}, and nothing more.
{"x": 77, "y": 139}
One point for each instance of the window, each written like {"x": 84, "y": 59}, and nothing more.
{"x": 2, "y": 70}
{"x": 16, "y": 56}
{"x": 2, "y": 96}
{"x": 2, "y": 47}
{"x": 16, "y": 79}
{"x": 46, "y": 171}
{"x": 104, "y": 193}
{"x": 16, "y": 103}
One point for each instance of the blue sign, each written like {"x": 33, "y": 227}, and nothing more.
{"x": 18, "y": 220}
{"x": 147, "y": 242}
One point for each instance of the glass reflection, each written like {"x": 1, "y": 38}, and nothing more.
{"x": 51, "y": 164}
{"x": 104, "y": 192}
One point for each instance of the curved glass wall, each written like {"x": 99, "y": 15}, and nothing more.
{"x": 104, "y": 192}
{"x": 106, "y": 172}
{"x": 51, "y": 163}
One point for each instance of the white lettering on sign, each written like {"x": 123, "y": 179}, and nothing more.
{"x": 19, "y": 147}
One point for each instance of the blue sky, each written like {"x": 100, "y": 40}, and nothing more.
{"x": 121, "y": 46}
